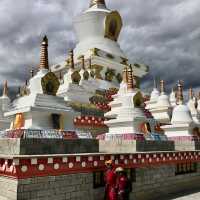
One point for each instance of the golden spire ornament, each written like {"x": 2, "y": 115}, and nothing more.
{"x": 162, "y": 87}
{"x": 5, "y": 88}
{"x": 130, "y": 84}
{"x": 71, "y": 58}
{"x": 44, "y": 62}
{"x": 97, "y": 2}
{"x": 180, "y": 93}
{"x": 191, "y": 93}
{"x": 125, "y": 75}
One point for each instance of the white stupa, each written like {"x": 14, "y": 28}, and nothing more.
{"x": 198, "y": 103}
{"x": 151, "y": 104}
{"x": 192, "y": 105}
{"x": 75, "y": 85}
{"x": 172, "y": 98}
{"x": 4, "y": 107}
{"x": 129, "y": 114}
{"x": 162, "y": 110}
{"x": 41, "y": 109}
{"x": 98, "y": 29}
{"x": 182, "y": 124}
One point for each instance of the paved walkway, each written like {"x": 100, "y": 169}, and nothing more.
{"x": 185, "y": 196}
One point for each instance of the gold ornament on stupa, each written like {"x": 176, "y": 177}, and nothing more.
{"x": 180, "y": 93}
{"x": 130, "y": 81}
{"x": 5, "y": 88}
{"x": 97, "y": 2}
{"x": 44, "y": 62}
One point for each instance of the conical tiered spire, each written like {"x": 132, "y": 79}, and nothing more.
{"x": 97, "y": 3}
{"x": 5, "y": 88}
{"x": 180, "y": 93}
{"x": 71, "y": 58}
{"x": 125, "y": 75}
{"x": 130, "y": 84}
{"x": 82, "y": 62}
{"x": 44, "y": 62}
{"x": 191, "y": 93}
{"x": 162, "y": 87}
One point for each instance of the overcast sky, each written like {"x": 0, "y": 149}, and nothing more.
{"x": 164, "y": 34}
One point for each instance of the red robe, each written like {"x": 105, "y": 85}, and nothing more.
{"x": 122, "y": 183}
{"x": 110, "y": 180}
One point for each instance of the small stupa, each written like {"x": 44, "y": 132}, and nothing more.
{"x": 162, "y": 110}
{"x": 71, "y": 88}
{"x": 182, "y": 124}
{"x": 129, "y": 114}
{"x": 151, "y": 104}
{"x": 41, "y": 109}
{"x": 4, "y": 106}
{"x": 192, "y": 105}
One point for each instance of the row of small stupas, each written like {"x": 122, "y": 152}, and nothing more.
{"x": 88, "y": 93}
{"x": 177, "y": 118}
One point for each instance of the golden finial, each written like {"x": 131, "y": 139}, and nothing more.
{"x": 5, "y": 88}
{"x": 130, "y": 84}
{"x": 180, "y": 93}
{"x": 125, "y": 75}
{"x": 191, "y": 93}
{"x": 71, "y": 58}
{"x": 162, "y": 86}
{"x": 82, "y": 58}
{"x": 32, "y": 73}
{"x": 97, "y": 2}
{"x": 44, "y": 62}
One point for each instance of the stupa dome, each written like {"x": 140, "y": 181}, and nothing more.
{"x": 163, "y": 101}
{"x": 181, "y": 114}
{"x": 154, "y": 95}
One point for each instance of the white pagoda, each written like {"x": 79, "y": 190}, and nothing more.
{"x": 41, "y": 109}
{"x": 162, "y": 109}
{"x": 98, "y": 29}
{"x": 127, "y": 109}
{"x": 182, "y": 124}
{"x": 4, "y": 106}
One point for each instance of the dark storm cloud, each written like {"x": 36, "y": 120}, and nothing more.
{"x": 164, "y": 34}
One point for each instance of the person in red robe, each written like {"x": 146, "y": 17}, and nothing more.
{"x": 110, "y": 181}
{"x": 122, "y": 184}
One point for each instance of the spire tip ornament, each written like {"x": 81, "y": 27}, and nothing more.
{"x": 44, "y": 62}
{"x": 97, "y": 2}
{"x": 5, "y": 88}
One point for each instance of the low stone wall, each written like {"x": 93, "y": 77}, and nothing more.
{"x": 47, "y": 146}
{"x": 152, "y": 183}
{"x": 8, "y": 188}
{"x": 73, "y": 187}
{"x": 132, "y": 146}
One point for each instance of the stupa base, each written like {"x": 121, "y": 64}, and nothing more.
{"x": 132, "y": 146}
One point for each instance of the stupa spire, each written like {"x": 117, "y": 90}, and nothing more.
{"x": 82, "y": 58}
{"x": 162, "y": 86}
{"x": 71, "y": 58}
{"x": 130, "y": 84}
{"x": 5, "y": 88}
{"x": 44, "y": 62}
{"x": 191, "y": 93}
{"x": 180, "y": 93}
{"x": 97, "y": 3}
{"x": 125, "y": 75}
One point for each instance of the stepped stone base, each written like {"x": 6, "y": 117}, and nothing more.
{"x": 132, "y": 146}
{"x": 47, "y": 146}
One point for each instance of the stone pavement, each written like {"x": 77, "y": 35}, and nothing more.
{"x": 195, "y": 195}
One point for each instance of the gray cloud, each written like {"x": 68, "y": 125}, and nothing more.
{"x": 162, "y": 34}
